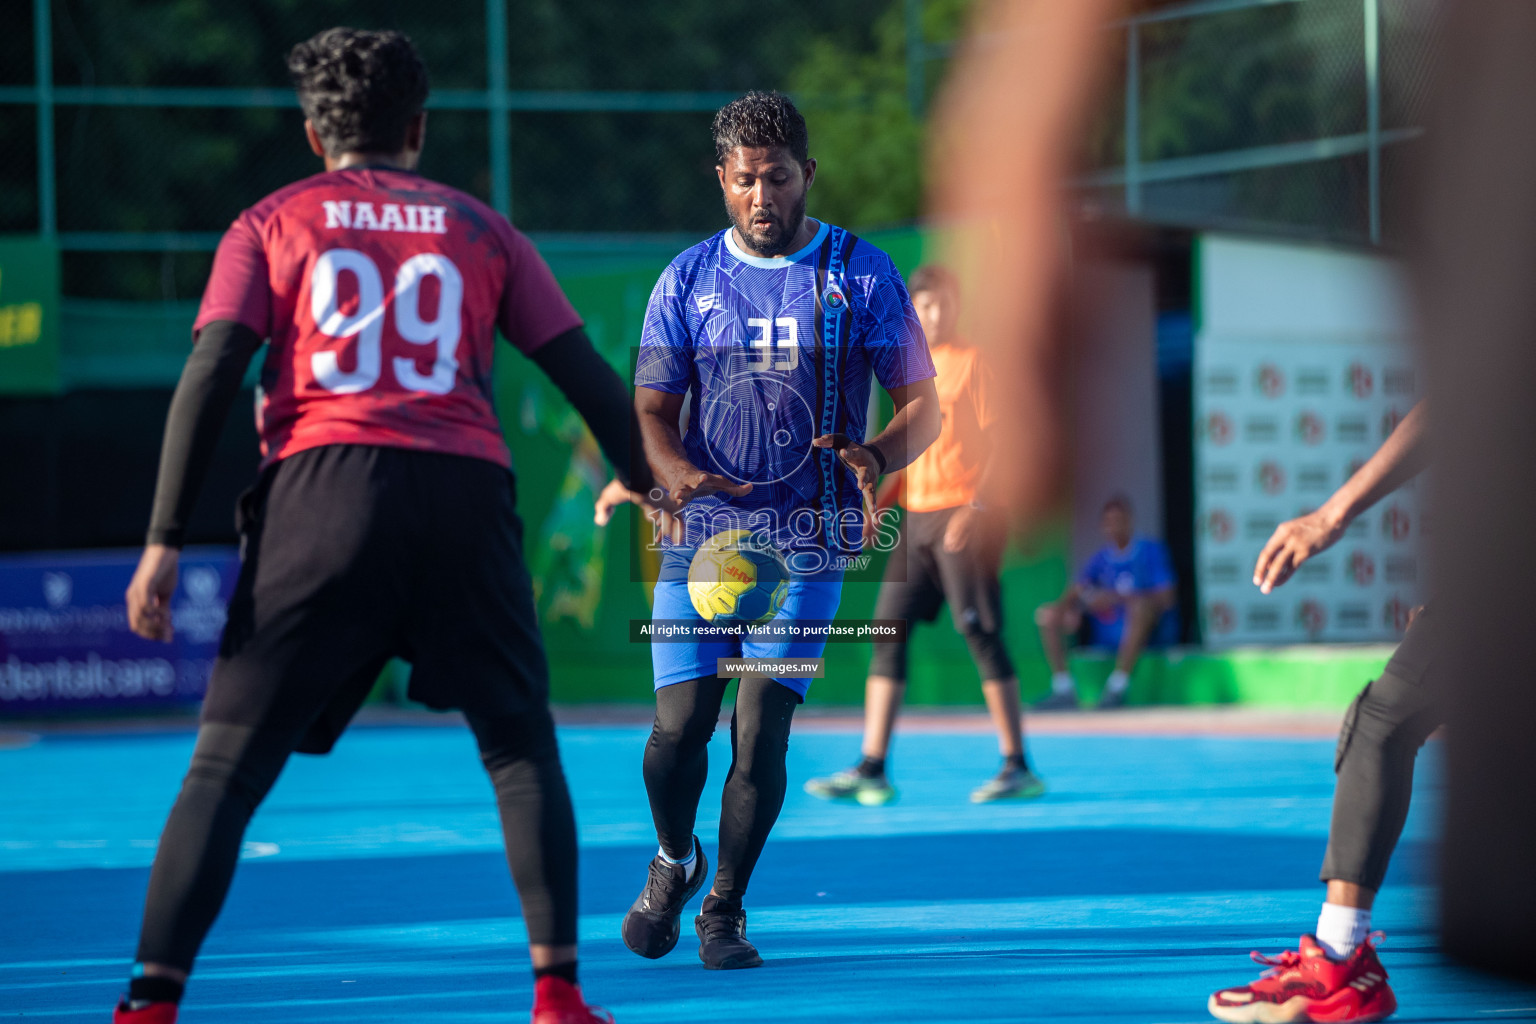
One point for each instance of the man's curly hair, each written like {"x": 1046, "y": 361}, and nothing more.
{"x": 359, "y": 89}
{"x": 761, "y": 119}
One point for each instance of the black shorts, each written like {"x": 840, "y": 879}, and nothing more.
{"x": 921, "y": 577}
{"x": 352, "y": 555}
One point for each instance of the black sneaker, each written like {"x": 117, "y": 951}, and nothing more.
{"x": 723, "y": 944}
{"x": 650, "y": 928}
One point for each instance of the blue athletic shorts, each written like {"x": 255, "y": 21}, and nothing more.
{"x": 809, "y": 600}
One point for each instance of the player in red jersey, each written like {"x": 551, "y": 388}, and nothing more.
{"x": 383, "y": 522}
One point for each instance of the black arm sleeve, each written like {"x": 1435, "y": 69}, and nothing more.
{"x": 601, "y": 398}
{"x": 208, "y": 386}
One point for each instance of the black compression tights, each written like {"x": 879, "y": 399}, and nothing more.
{"x": 233, "y": 767}
{"x": 677, "y": 763}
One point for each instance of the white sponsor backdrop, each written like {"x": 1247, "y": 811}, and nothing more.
{"x": 1302, "y": 368}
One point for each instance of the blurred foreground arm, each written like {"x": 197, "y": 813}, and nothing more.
{"x": 1004, "y": 133}
{"x": 1297, "y": 540}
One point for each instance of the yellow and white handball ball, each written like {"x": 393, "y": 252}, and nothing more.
{"x": 737, "y": 576}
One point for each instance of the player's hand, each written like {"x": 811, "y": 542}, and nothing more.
{"x": 658, "y": 508}
{"x": 609, "y": 500}
{"x": 662, "y": 505}
{"x": 866, "y": 473}
{"x": 957, "y": 533}
{"x": 149, "y": 593}
{"x": 695, "y": 483}
{"x": 1293, "y": 542}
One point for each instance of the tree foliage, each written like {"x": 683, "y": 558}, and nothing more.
{"x": 868, "y": 141}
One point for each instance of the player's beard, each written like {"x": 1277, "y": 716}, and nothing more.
{"x": 772, "y": 236}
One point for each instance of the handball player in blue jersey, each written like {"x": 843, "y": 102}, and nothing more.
{"x": 772, "y": 332}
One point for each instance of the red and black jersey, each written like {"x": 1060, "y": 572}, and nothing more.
{"x": 381, "y": 293}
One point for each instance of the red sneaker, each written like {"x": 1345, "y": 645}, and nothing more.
{"x": 1306, "y": 985}
{"x": 154, "y": 1013}
{"x": 557, "y": 1001}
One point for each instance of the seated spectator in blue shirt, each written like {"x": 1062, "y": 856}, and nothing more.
{"x": 1124, "y": 598}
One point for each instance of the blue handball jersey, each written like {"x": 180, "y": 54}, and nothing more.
{"x": 773, "y": 353}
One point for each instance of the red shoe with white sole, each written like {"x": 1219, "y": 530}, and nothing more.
{"x": 1305, "y": 985}
{"x": 557, "y": 1001}
{"x": 154, "y": 1013}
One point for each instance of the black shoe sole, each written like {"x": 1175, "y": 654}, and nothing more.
{"x": 670, "y": 942}
{"x": 732, "y": 963}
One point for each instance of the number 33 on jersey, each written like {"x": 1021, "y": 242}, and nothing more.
{"x": 381, "y": 294}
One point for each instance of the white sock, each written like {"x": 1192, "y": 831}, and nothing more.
{"x": 1341, "y": 930}
{"x": 689, "y": 863}
{"x": 1117, "y": 681}
{"x": 1061, "y": 682}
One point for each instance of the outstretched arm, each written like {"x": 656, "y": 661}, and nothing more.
{"x": 1403, "y": 455}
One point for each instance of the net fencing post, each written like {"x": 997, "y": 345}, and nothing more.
{"x": 42, "y": 48}
{"x": 498, "y": 107}
{"x": 1372, "y": 12}
{"x": 1132, "y": 118}
{"x": 917, "y": 53}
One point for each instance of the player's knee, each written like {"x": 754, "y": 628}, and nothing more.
{"x": 1382, "y": 723}
{"x": 237, "y": 761}
{"x": 760, "y": 755}
{"x": 889, "y": 661}
{"x": 239, "y": 779}
{"x": 990, "y": 654}
{"x": 682, "y": 732}
{"x": 513, "y": 744}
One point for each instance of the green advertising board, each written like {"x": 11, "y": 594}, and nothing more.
{"x": 29, "y": 316}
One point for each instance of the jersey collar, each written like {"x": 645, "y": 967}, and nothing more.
{"x": 775, "y": 262}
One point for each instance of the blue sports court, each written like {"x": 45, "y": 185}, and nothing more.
{"x": 374, "y": 886}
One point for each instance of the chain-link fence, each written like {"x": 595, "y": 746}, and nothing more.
{"x": 133, "y": 132}
{"x": 1277, "y": 116}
